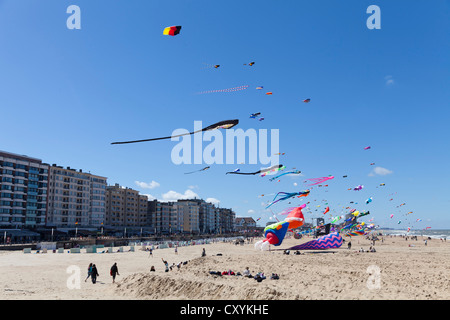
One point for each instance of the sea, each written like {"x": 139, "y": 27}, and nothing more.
{"x": 432, "y": 233}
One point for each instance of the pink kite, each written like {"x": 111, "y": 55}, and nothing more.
{"x": 366, "y": 148}
{"x": 320, "y": 180}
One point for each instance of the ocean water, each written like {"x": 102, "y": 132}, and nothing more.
{"x": 432, "y": 233}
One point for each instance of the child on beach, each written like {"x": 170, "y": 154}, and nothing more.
{"x": 166, "y": 264}
{"x": 94, "y": 274}
{"x": 89, "y": 271}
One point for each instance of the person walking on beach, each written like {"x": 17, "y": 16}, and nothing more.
{"x": 94, "y": 274}
{"x": 203, "y": 252}
{"x": 176, "y": 250}
{"x": 89, "y": 271}
{"x": 349, "y": 245}
{"x": 114, "y": 271}
{"x": 151, "y": 252}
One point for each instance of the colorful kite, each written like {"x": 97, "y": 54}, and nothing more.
{"x": 172, "y": 31}
{"x": 286, "y": 195}
{"x": 357, "y": 188}
{"x": 367, "y": 148}
{"x": 327, "y": 209}
{"x": 275, "y": 233}
{"x": 269, "y": 93}
{"x": 250, "y": 64}
{"x": 204, "y": 169}
{"x": 234, "y": 89}
{"x": 257, "y": 172}
{"x": 227, "y": 124}
{"x": 255, "y": 115}
{"x": 320, "y": 180}
{"x": 369, "y": 200}
{"x": 259, "y": 88}
{"x": 270, "y": 172}
{"x": 329, "y": 241}
{"x": 306, "y": 100}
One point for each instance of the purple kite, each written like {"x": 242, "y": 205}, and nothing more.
{"x": 366, "y": 148}
{"x": 329, "y": 241}
{"x": 320, "y": 180}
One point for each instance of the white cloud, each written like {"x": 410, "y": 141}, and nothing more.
{"x": 174, "y": 196}
{"x": 213, "y": 201}
{"x": 150, "y": 197}
{"x": 147, "y": 185}
{"x": 193, "y": 187}
{"x": 295, "y": 184}
{"x": 251, "y": 211}
{"x": 389, "y": 80}
{"x": 380, "y": 171}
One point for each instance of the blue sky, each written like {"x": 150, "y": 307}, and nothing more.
{"x": 65, "y": 95}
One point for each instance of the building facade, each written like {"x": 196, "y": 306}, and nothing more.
{"x": 23, "y": 191}
{"x": 125, "y": 207}
{"x": 76, "y": 198}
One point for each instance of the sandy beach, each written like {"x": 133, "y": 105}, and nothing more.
{"x": 400, "y": 269}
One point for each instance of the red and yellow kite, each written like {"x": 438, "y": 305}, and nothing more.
{"x": 172, "y": 31}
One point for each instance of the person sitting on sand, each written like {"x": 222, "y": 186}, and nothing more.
{"x": 247, "y": 273}
{"x": 152, "y": 268}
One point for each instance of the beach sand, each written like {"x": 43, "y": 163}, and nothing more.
{"x": 396, "y": 271}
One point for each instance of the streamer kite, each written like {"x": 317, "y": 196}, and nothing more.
{"x": 257, "y": 172}
{"x": 281, "y": 196}
{"x": 172, "y": 31}
{"x": 265, "y": 173}
{"x": 320, "y": 180}
{"x": 227, "y": 124}
{"x": 234, "y": 89}
{"x": 204, "y": 169}
{"x": 285, "y": 173}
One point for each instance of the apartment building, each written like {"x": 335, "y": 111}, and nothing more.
{"x": 125, "y": 207}
{"x": 23, "y": 191}
{"x": 76, "y": 198}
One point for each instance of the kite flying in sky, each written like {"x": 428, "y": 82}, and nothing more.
{"x": 227, "y": 124}
{"x": 204, "y": 169}
{"x": 234, "y": 89}
{"x": 172, "y": 31}
{"x": 320, "y": 180}
{"x": 275, "y": 167}
{"x": 287, "y": 195}
{"x": 306, "y": 100}
{"x": 285, "y": 173}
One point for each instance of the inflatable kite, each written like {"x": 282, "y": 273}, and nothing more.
{"x": 327, "y": 209}
{"x": 357, "y": 188}
{"x": 320, "y": 180}
{"x": 172, "y": 31}
{"x": 227, "y": 124}
{"x": 256, "y": 172}
{"x": 329, "y": 241}
{"x": 275, "y": 233}
{"x": 369, "y": 200}
{"x": 286, "y": 195}
{"x": 259, "y": 88}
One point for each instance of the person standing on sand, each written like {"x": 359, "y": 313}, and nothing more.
{"x": 94, "y": 274}
{"x": 151, "y": 252}
{"x": 349, "y": 245}
{"x": 89, "y": 271}
{"x": 114, "y": 271}
{"x": 166, "y": 264}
